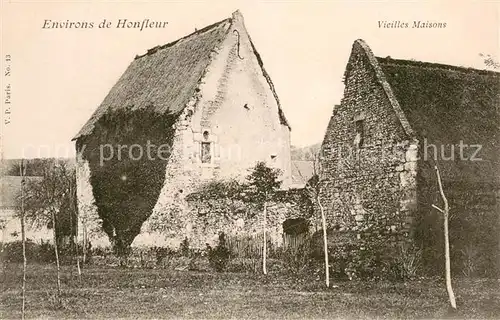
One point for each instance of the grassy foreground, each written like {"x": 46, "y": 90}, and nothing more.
{"x": 160, "y": 293}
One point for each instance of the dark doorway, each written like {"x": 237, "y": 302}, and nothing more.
{"x": 295, "y": 232}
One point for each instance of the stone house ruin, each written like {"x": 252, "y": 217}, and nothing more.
{"x": 228, "y": 117}
{"x": 397, "y": 120}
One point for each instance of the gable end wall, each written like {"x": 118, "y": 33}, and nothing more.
{"x": 370, "y": 191}
{"x": 235, "y": 104}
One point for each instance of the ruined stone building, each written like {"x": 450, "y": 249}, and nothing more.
{"x": 398, "y": 119}
{"x": 228, "y": 117}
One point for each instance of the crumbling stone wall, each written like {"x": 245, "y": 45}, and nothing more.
{"x": 237, "y": 219}
{"x": 371, "y": 186}
{"x": 200, "y": 220}
{"x": 241, "y": 217}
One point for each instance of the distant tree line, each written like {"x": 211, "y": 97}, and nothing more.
{"x": 33, "y": 167}
{"x": 307, "y": 153}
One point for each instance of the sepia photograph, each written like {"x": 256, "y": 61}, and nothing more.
{"x": 250, "y": 159}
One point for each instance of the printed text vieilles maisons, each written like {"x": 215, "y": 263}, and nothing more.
{"x": 418, "y": 24}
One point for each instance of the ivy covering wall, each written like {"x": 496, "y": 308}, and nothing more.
{"x": 127, "y": 172}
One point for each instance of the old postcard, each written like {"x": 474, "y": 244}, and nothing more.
{"x": 250, "y": 159}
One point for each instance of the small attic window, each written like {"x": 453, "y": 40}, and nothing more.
{"x": 206, "y": 135}
{"x": 359, "y": 138}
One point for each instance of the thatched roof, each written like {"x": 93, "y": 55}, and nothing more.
{"x": 448, "y": 104}
{"x": 166, "y": 77}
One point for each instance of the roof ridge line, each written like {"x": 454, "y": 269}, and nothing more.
{"x": 91, "y": 121}
{"x": 380, "y": 76}
{"x": 172, "y": 43}
{"x": 434, "y": 65}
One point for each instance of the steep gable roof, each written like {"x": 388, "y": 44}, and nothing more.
{"x": 448, "y": 104}
{"x": 444, "y": 106}
{"x": 167, "y": 76}
{"x": 380, "y": 77}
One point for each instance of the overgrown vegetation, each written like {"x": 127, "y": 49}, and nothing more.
{"x": 261, "y": 186}
{"x": 297, "y": 259}
{"x": 51, "y": 201}
{"x": 407, "y": 262}
{"x": 219, "y": 189}
{"x": 53, "y": 195}
{"x": 263, "y": 182}
{"x": 127, "y": 187}
{"x": 36, "y": 252}
{"x": 12, "y": 252}
{"x": 219, "y": 256}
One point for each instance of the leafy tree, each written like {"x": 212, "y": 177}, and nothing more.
{"x": 54, "y": 192}
{"x": 489, "y": 61}
{"x": 263, "y": 182}
{"x": 48, "y": 202}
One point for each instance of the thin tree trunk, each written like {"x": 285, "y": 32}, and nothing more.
{"x": 78, "y": 263}
{"x": 57, "y": 257}
{"x": 445, "y": 212}
{"x": 84, "y": 234}
{"x": 325, "y": 243}
{"x": 23, "y": 238}
{"x": 449, "y": 288}
{"x": 264, "y": 249}
{"x": 71, "y": 239}
{"x": 75, "y": 240}
{"x": 77, "y": 253}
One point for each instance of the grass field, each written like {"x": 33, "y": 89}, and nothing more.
{"x": 159, "y": 293}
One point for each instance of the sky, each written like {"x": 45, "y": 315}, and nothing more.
{"x": 58, "y": 77}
